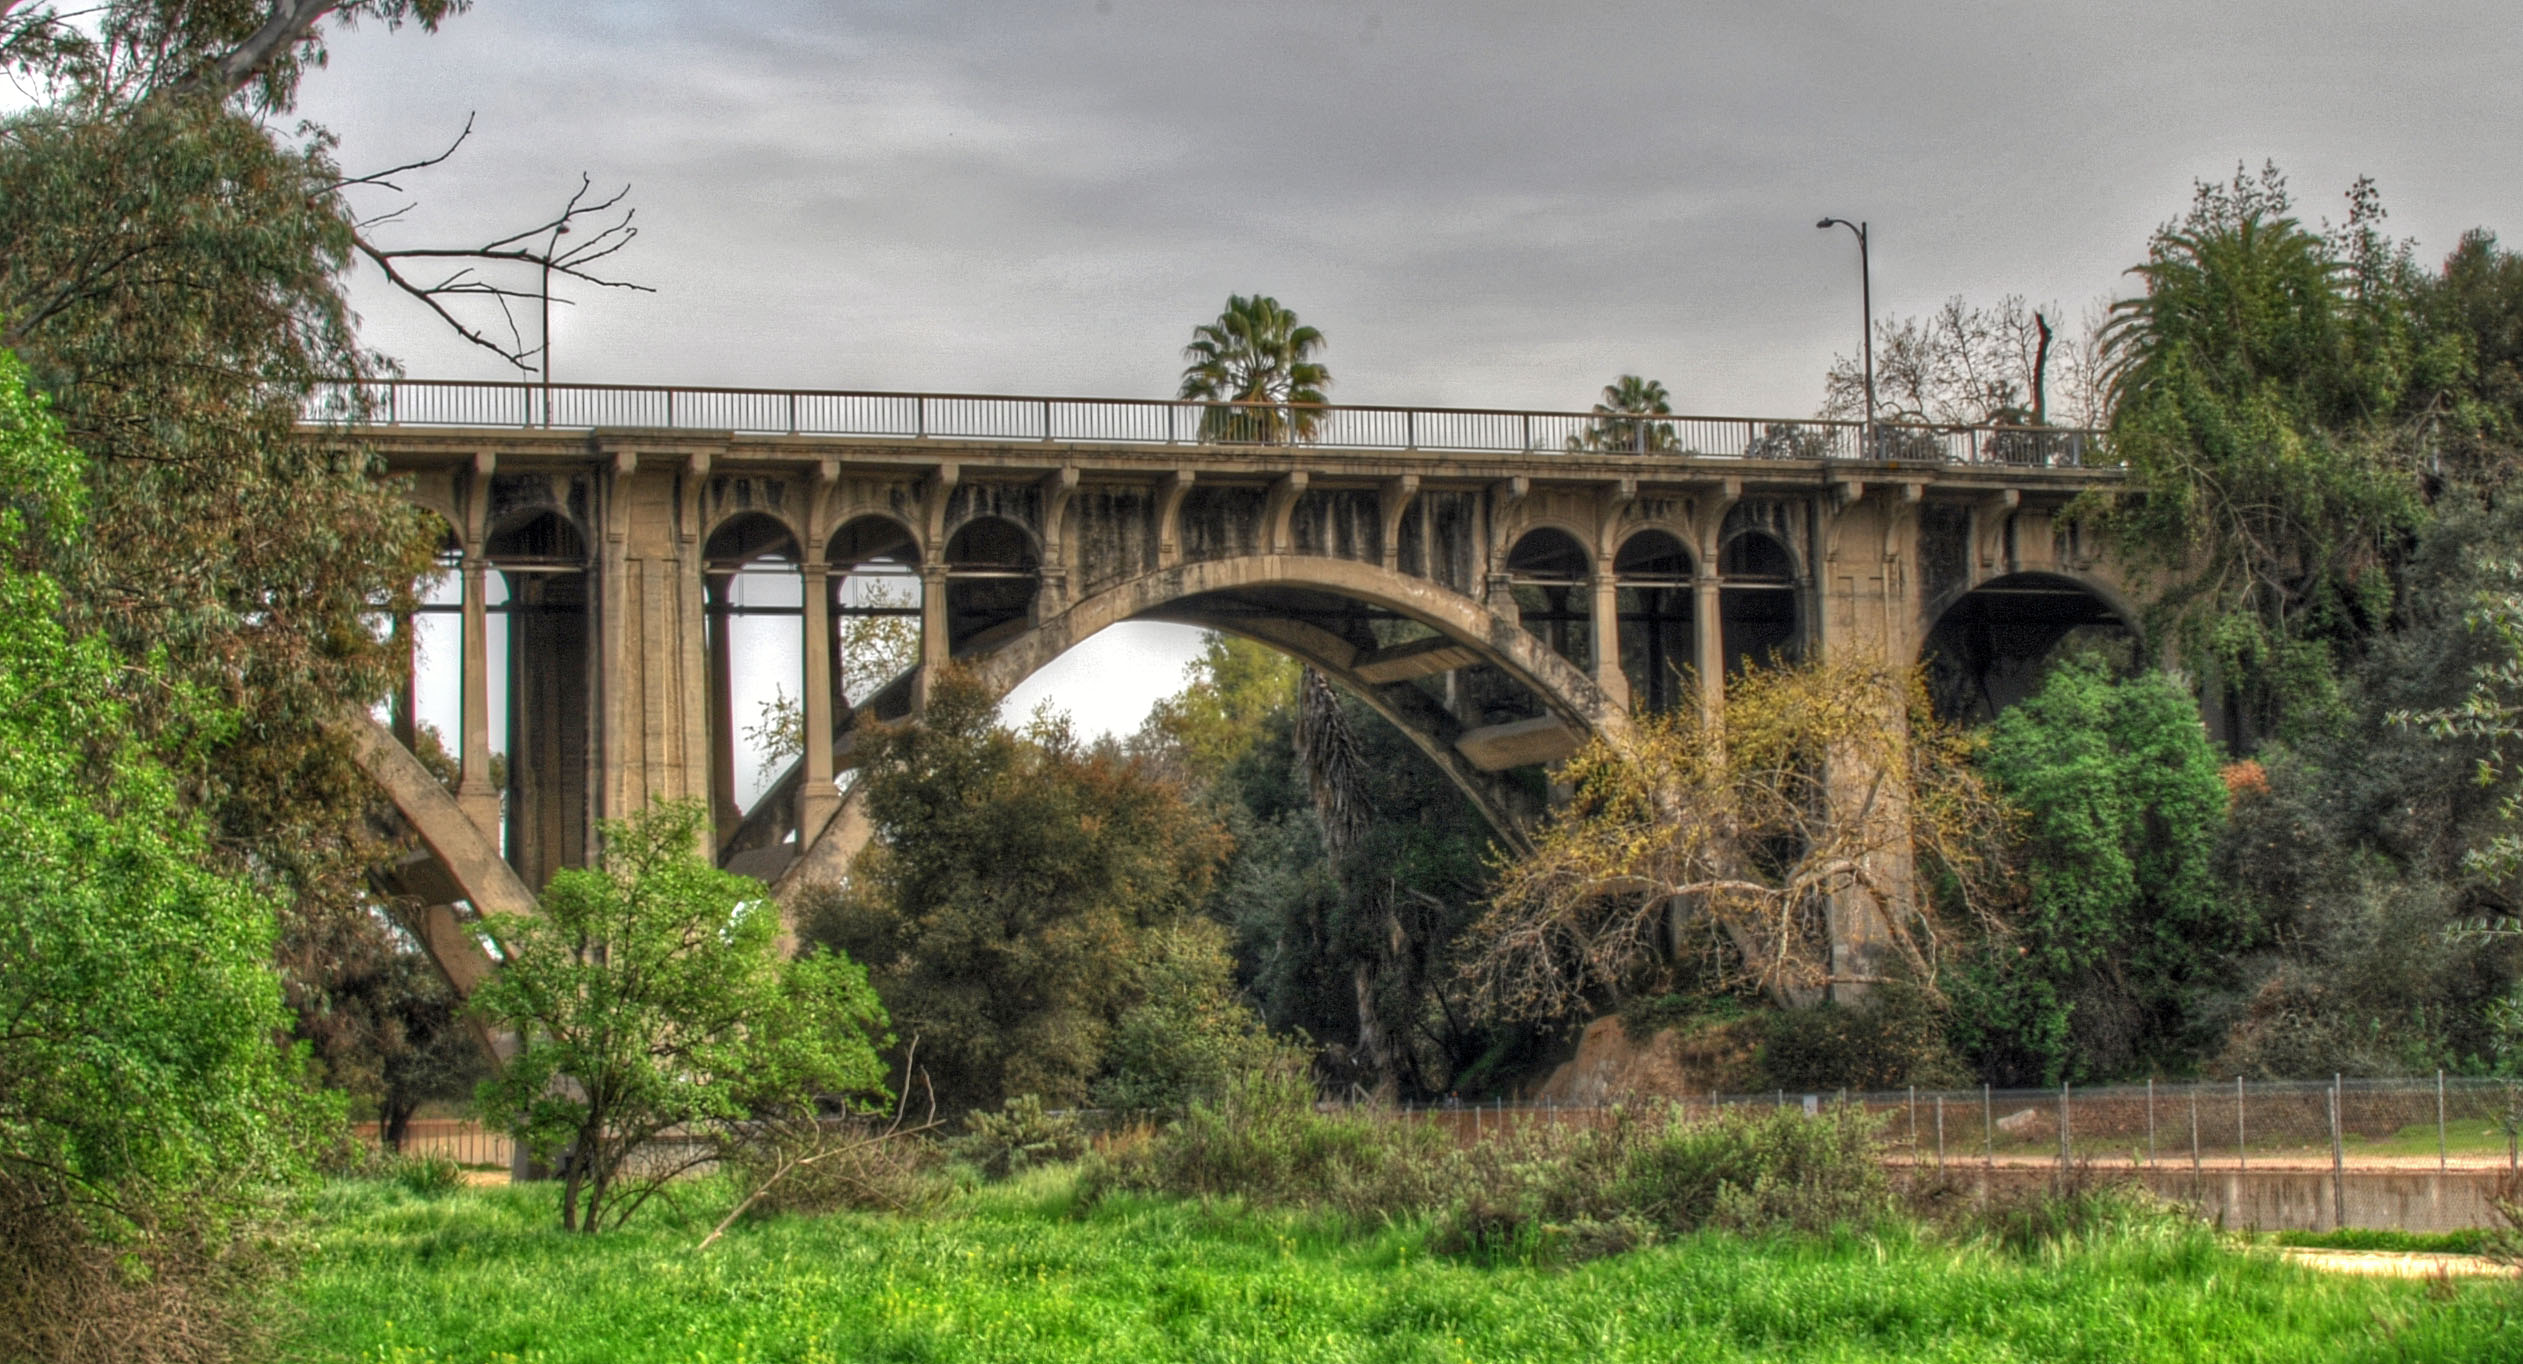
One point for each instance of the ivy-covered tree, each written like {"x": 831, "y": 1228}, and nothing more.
{"x": 2124, "y": 924}
{"x": 2272, "y": 400}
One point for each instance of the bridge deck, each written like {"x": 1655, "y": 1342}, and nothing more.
{"x": 998, "y": 420}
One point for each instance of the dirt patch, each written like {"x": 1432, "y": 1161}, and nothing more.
{"x": 2397, "y": 1264}
{"x": 1611, "y": 1066}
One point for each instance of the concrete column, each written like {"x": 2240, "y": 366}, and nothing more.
{"x": 1607, "y": 636}
{"x": 404, "y": 708}
{"x": 1708, "y": 634}
{"x": 475, "y": 794}
{"x": 934, "y": 645}
{"x": 722, "y": 647}
{"x": 817, "y": 800}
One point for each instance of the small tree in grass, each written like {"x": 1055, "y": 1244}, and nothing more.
{"x": 650, "y": 995}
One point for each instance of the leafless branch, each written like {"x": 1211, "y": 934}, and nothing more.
{"x": 816, "y": 1152}
{"x": 558, "y": 245}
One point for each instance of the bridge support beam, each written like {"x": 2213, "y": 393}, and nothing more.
{"x": 475, "y": 792}
{"x": 817, "y": 801}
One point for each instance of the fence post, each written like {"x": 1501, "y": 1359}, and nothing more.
{"x": 2062, "y": 1129}
{"x": 2441, "y": 1160}
{"x": 2150, "y": 1122}
{"x": 1940, "y": 1135}
{"x": 2242, "y": 1147}
{"x": 792, "y": 412}
{"x": 2338, "y": 1160}
{"x": 1914, "y": 1122}
{"x": 2194, "y": 1130}
{"x": 1988, "y": 1129}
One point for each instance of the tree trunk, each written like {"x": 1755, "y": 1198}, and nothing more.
{"x": 397, "y": 1127}
{"x": 1375, "y": 1041}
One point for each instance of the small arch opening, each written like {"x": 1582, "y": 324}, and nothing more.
{"x": 990, "y": 582}
{"x": 1551, "y": 577}
{"x": 1656, "y": 606}
{"x": 755, "y": 606}
{"x": 537, "y": 641}
{"x": 875, "y": 585}
{"x": 1759, "y": 618}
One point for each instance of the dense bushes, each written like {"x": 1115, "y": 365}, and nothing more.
{"x": 1542, "y": 1190}
{"x": 144, "y": 1111}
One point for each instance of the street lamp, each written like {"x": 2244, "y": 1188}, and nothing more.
{"x": 1866, "y": 298}
{"x": 559, "y": 230}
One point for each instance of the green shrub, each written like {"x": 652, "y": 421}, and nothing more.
{"x": 1540, "y": 1191}
{"x": 1895, "y": 1038}
{"x": 1757, "y": 1171}
{"x": 423, "y": 1176}
{"x": 1022, "y": 1134}
{"x": 1265, "y": 1141}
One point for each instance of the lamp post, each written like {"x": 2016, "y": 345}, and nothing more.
{"x": 559, "y": 230}
{"x": 1866, "y": 301}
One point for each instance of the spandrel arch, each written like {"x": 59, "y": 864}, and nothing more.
{"x": 1991, "y": 646}
{"x": 538, "y": 602}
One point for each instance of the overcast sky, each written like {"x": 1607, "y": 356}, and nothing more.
{"x": 1479, "y": 204}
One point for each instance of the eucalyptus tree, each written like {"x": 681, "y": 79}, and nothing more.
{"x": 174, "y": 245}
{"x": 1260, "y": 359}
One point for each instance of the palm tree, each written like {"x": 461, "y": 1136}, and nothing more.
{"x": 1615, "y": 428}
{"x": 1256, "y": 352}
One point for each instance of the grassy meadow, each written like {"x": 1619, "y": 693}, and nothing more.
{"x": 1022, "y": 1272}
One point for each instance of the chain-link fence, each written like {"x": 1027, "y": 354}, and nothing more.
{"x": 2440, "y": 1122}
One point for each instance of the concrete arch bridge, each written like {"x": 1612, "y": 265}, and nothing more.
{"x": 1497, "y": 584}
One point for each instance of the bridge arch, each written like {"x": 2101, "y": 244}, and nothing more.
{"x": 753, "y": 603}
{"x": 1990, "y": 645}
{"x": 1447, "y": 633}
{"x": 1550, "y": 574}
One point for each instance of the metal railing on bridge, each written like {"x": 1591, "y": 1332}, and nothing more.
{"x": 1149, "y": 421}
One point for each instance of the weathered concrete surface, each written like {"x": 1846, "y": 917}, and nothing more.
{"x": 2258, "y": 1199}
{"x": 1406, "y": 575}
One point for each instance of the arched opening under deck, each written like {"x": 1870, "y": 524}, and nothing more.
{"x": 1997, "y": 642}
{"x": 1657, "y": 611}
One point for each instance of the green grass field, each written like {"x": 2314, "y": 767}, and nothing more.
{"x": 1010, "y": 1274}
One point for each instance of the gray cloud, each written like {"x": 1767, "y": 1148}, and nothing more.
{"x": 1479, "y": 203}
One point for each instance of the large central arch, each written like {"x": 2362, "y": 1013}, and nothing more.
{"x": 1382, "y": 634}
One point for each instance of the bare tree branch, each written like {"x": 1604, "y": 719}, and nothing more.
{"x": 538, "y": 248}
